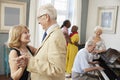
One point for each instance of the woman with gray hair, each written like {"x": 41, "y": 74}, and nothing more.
{"x": 100, "y": 45}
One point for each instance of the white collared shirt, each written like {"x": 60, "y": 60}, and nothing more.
{"x": 81, "y": 61}
{"x": 49, "y": 29}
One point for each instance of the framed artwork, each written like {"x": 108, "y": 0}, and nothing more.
{"x": 11, "y": 13}
{"x": 107, "y": 18}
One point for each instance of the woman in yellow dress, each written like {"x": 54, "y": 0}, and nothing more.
{"x": 72, "y": 49}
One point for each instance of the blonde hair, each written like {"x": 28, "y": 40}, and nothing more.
{"x": 15, "y": 35}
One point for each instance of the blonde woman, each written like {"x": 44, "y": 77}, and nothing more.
{"x": 18, "y": 40}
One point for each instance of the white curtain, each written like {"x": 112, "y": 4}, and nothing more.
{"x": 32, "y": 20}
{"x": 35, "y": 30}
{"x": 77, "y": 14}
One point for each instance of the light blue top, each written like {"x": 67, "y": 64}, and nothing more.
{"x": 81, "y": 61}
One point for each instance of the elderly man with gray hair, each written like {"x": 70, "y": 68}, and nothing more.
{"x": 49, "y": 61}
{"x": 82, "y": 66}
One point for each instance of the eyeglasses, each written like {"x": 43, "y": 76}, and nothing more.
{"x": 41, "y": 16}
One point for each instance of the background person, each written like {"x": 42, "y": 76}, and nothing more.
{"x": 18, "y": 40}
{"x": 81, "y": 65}
{"x": 72, "y": 50}
{"x": 66, "y": 24}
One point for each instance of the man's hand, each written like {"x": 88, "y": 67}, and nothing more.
{"x": 22, "y": 61}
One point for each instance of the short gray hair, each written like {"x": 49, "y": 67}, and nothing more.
{"x": 89, "y": 43}
{"x": 49, "y": 10}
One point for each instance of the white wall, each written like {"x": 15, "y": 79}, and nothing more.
{"x": 111, "y": 40}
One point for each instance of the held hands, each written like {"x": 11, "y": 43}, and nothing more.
{"x": 22, "y": 61}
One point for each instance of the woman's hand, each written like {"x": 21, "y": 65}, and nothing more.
{"x": 22, "y": 61}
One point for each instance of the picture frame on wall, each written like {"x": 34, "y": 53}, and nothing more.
{"x": 11, "y": 13}
{"x": 107, "y": 18}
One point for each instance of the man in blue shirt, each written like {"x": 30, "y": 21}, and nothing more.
{"x": 81, "y": 64}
